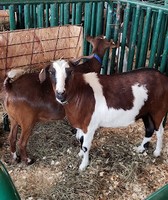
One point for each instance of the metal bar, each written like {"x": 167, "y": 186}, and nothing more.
{"x": 61, "y": 14}
{"x": 124, "y": 36}
{"x": 87, "y": 26}
{"x": 46, "y": 15}
{"x": 93, "y": 19}
{"x": 34, "y": 16}
{"x": 54, "y": 14}
{"x": 160, "y": 42}
{"x": 108, "y": 36}
{"x": 73, "y": 13}
{"x": 155, "y": 39}
{"x": 99, "y": 21}
{"x": 133, "y": 40}
{"x": 20, "y": 22}
{"x": 66, "y": 13}
{"x": 164, "y": 55}
{"x": 115, "y": 38}
{"x": 78, "y": 18}
{"x": 145, "y": 38}
{"x": 140, "y": 34}
{"x": 40, "y": 16}
{"x": 31, "y": 16}
{"x": 12, "y": 17}
{"x": 27, "y": 16}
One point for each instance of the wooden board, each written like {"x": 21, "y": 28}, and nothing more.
{"x": 37, "y": 47}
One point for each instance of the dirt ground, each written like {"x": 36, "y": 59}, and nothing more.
{"x": 115, "y": 170}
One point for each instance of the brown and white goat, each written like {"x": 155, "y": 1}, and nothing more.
{"x": 112, "y": 101}
{"x": 28, "y": 101}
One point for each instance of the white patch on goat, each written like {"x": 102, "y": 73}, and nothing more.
{"x": 111, "y": 117}
{"x": 159, "y": 135}
{"x": 60, "y": 75}
{"x": 14, "y": 155}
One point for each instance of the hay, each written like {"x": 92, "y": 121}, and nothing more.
{"x": 115, "y": 170}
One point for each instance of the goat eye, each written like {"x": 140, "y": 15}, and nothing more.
{"x": 51, "y": 72}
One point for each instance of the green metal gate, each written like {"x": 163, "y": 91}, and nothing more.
{"x": 147, "y": 20}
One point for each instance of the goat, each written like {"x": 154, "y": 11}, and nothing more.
{"x": 29, "y": 100}
{"x": 112, "y": 101}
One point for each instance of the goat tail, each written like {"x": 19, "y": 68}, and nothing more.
{"x": 12, "y": 75}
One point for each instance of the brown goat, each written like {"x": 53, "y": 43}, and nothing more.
{"x": 112, "y": 101}
{"x": 27, "y": 100}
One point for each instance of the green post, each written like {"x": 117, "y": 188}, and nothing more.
{"x": 93, "y": 19}
{"x": 145, "y": 38}
{"x": 12, "y": 17}
{"x": 54, "y": 14}
{"x": 99, "y": 22}
{"x": 73, "y": 13}
{"x": 124, "y": 36}
{"x": 116, "y": 36}
{"x": 140, "y": 34}
{"x": 155, "y": 39}
{"x": 108, "y": 35}
{"x": 27, "y": 16}
{"x": 66, "y": 13}
{"x": 87, "y": 26}
{"x": 61, "y": 14}
{"x": 34, "y": 16}
{"x": 46, "y": 15}
{"x": 164, "y": 55}
{"x": 40, "y": 16}
{"x": 78, "y": 18}
{"x": 133, "y": 39}
{"x": 20, "y": 17}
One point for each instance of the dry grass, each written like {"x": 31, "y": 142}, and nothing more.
{"x": 115, "y": 170}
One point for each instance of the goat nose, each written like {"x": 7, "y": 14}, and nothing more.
{"x": 61, "y": 96}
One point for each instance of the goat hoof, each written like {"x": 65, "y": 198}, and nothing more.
{"x": 82, "y": 167}
{"x": 139, "y": 149}
{"x": 30, "y": 161}
{"x": 156, "y": 153}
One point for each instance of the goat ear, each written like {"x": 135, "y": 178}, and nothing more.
{"x": 89, "y": 38}
{"x": 42, "y": 75}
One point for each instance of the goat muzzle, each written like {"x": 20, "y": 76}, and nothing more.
{"x": 61, "y": 97}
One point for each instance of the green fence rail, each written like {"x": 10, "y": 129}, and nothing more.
{"x": 148, "y": 23}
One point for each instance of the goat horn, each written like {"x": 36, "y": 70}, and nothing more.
{"x": 76, "y": 61}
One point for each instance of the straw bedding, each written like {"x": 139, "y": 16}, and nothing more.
{"x": 115, "y": 170}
